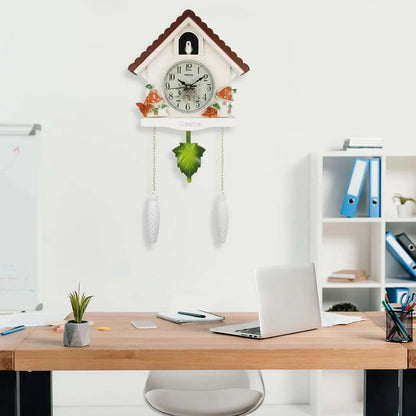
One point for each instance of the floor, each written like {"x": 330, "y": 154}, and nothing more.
{"x": 265, "y": 410}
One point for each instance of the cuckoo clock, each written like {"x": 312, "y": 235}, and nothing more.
{"x": 188, "y": 70}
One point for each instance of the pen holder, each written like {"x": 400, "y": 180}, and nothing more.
{"x": 399, "y": 325}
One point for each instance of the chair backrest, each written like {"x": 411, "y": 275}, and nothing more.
{"x": 204, "y": 379}
{"x": 190, "y": 392}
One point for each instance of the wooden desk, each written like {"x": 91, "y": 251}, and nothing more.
{"x": 357, "y": 346}
{"x": 8, "y": 345}
{"x": 172, "y": 346}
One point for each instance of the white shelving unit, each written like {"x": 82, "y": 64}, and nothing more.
{"x": 339, "y": 242}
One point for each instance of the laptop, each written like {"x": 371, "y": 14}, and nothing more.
{"x": 287, "y": 298}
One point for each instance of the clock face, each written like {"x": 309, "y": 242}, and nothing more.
{"x": 189, "y": 87}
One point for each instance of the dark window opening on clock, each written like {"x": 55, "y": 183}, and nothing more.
{"x": 191, "y": 48}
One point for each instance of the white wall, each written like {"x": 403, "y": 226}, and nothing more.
{"x": 330, "y": 70}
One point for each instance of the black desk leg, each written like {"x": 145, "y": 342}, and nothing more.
{"x": 25, "y": 393}
{"x": 409, "y": 396}
{"x": 381, "y": 392}
{"x": 35, "y": 393}
{"x": 8, "y": 393}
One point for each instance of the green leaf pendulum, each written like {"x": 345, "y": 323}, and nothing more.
{"x": 188, "y": 157}
{"x": 153, "y": 211}
{"x": 221, "y": 208}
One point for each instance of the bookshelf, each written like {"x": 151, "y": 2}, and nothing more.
{"x": 338, "y": 242}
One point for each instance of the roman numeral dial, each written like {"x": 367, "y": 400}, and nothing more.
{"x": 188, "y": 87}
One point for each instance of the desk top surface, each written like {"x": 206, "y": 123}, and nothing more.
{"x": 411, "y": 349}
{"x": 8, "y": 344}
{"x": 379, "y": 319}
{"x": 359, "y": 345}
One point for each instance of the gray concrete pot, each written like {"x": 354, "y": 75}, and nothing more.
{"x": 77, "y": 334}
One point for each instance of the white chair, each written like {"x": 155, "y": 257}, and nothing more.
{"x": 204, "y": 393}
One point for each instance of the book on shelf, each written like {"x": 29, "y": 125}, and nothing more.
{"x": 363, "y": 143}
{"x": 347, "y": 276}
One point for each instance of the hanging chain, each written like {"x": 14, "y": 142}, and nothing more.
{"x": 154, "y": 161}
{"x": 222, "y": 161}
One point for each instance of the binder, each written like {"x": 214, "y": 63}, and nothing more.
{"x": 374, "y": 187}
{"x": 355, "y": 186}
{"x": 399, "y": 253}
{"x": 407, "y": 244}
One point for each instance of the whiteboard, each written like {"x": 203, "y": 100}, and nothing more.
{"x": 19, "y": 217}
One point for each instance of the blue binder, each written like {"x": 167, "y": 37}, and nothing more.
{"x": 374, "y": 187}
{"x": 355, "y": 186}
{"x": 400, "y": 254}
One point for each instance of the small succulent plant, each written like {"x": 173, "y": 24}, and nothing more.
{"x": 79, "y": 303}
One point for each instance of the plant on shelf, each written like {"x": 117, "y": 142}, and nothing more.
{"x": 77, "y": 331}
{"x": 405, "y": 205}
{"x": 343, "y": 307}
{"x": 402, "y": 199}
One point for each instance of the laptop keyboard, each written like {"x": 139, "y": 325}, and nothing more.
{"x": 254, "y": 331}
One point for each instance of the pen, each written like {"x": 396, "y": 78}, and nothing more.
{"x": 215, "y": 314}
{"x": 195, "y": 315}
{"x": 15, "y": 329}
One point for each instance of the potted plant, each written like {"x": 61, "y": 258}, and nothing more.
{"x": 405, "y": 205}
{"x": 77, "y": 331}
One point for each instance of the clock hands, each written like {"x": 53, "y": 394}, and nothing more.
{"x": 189, "y": 86}
{"x": 199, "y": 79}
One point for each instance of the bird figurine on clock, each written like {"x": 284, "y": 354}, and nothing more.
{"x": 188, "y": 70}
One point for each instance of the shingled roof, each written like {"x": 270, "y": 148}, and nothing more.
{"x": 203, "y": 26}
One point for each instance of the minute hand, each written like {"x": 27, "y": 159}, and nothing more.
{"x": 199, "y": 79}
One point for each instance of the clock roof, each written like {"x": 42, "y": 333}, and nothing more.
{"x": 188, "y": 16}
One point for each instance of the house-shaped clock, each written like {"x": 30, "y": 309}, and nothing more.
{"x": 188, "y": 70}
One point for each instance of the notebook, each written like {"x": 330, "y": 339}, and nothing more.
{"x": 193, "y": 316}
{"x": 287, "y": 299}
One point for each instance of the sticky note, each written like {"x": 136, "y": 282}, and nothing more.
{"x": 104, "y": 328}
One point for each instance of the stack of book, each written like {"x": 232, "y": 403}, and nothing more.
{"x": 347, "y": 276}
{"x": 363, "y": 143}
{"x": 402, "y": 248}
